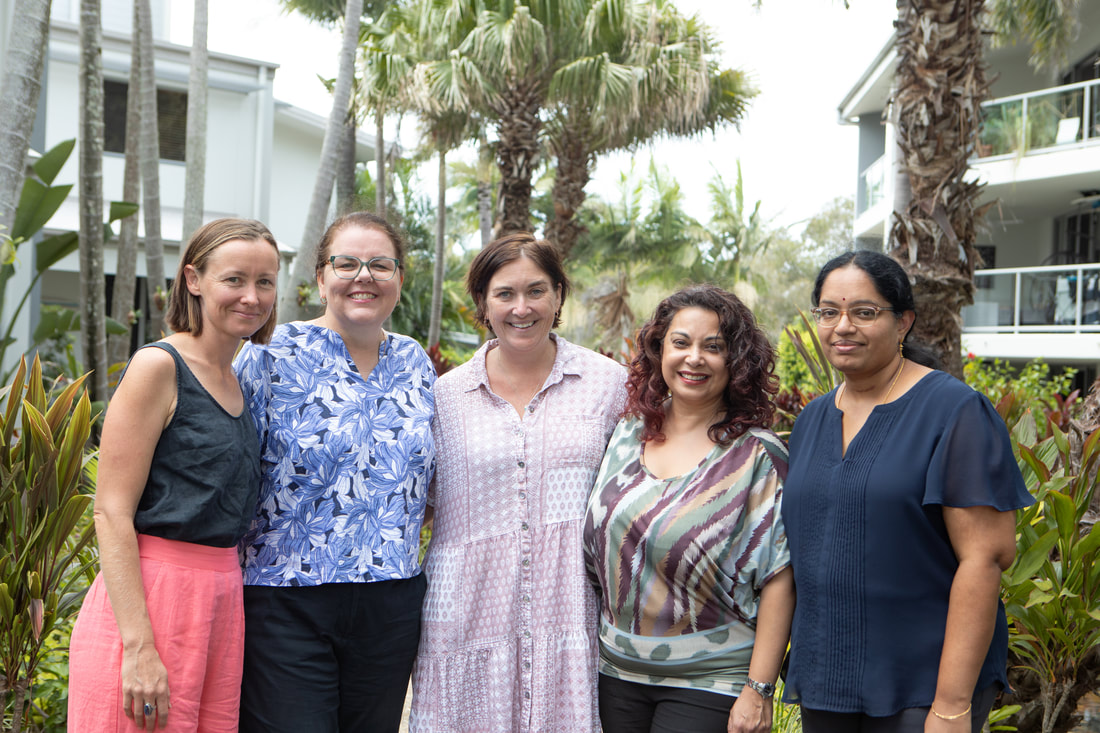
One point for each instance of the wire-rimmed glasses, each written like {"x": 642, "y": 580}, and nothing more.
{"x": 860, "y": 315}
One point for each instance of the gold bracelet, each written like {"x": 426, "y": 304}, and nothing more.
{"x": 956, "y": 716}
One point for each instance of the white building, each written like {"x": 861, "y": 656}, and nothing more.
{"x": 261, "y": 159}
{"x": 1038, "y": 293}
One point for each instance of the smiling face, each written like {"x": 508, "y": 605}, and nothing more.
{"x": 360, "y": 306}
{"x": 693, "y": 359}
{"x": 236, "y": 286}
{"x": 860, "y": 350}
{"x": 520, "y": 305}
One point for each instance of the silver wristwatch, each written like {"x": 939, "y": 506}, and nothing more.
{"x": 763, "y": 689}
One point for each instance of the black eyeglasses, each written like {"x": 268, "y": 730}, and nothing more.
{"x": 347, "y": 267}
{"x": 862, "y": 315}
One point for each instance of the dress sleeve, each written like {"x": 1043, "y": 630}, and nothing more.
{"x": 255, "y": 378}
{"x": 973, "y": 463}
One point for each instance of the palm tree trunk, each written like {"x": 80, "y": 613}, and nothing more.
{"x": 19, "y": 93}
{"x": 150, "y": 174}
{"x": 347, "y": 196}
{"x": 92, "y": 306}
{"x": 122, "y": 295}
{"x": 195, "y": 154}
{"x": 574, "y": 166}
{"x": 484, "y": 191}
{"x": 435, "y": 318}
{"x": 302, "y": 269}
{"x": 379, "y": 164}
{"x": 940, "y": 81}
{"x": 517, "y": 153}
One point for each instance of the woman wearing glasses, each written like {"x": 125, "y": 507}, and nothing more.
{"x": 333, "y": 587}
{"x": 900, "y": 513}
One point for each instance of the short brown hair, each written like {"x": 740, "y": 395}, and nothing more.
{"x": 363, "y": 220}
{"x": 505, "y": 250}
{"x": 184, "y": 309}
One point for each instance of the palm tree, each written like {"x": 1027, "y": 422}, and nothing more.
{"x": 650, "y": 74}
{"x": 195, "y": 176}
{"x": 19, "y": 93}
{"x": 122, "y": 294}
{"x": 150, "y": 171}
{"x": 92, "y": 301}
{"x": 301, "y": 269}
{"x": 939, "y": 84}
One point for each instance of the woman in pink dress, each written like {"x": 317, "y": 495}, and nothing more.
{"x": 509, "y": 636}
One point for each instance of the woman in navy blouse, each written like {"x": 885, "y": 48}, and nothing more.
{"x": 333, "y": 586}
{"x": 900, "y": 513}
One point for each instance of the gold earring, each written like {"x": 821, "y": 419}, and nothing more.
{"x": 901, "y": 349}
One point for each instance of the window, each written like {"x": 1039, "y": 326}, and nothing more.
{"x": 171, "y": 120}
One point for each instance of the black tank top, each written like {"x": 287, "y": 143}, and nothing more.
{"x": 205, "y": 475}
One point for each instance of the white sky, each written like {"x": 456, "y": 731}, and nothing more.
{"x": 803, "y": 55}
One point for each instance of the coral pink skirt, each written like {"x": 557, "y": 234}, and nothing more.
{"x": 193, "y": 593}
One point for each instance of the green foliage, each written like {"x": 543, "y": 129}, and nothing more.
{"x": 46, "y": 560}
{"x": 1031, "y": 388}
{"x": 1052, "y": 589}
{"x": 40, "y": 200}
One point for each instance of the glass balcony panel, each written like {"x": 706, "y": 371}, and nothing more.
{"x": 1044, "y": 119}
{"x": 993, "y": 301}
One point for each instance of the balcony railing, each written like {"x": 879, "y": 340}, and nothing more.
{"x": 1047, "y": 118}
{"x": 1059, "y": 299}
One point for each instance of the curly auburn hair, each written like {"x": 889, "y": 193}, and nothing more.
{"x": 750, "y": 362}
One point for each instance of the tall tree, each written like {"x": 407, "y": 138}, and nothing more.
{"x": 301, "y": 270}
{"x": 150, "y": 171}
{"x": 939, "y": 84}
{"x": 92, "y": 300}
{"x": 122, "y": 294}
{"x": 19, "y": 94}
{"x": 645, "y": 71}
{"x": 195, "y": 153}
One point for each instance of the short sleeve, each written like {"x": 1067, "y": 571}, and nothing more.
{"x": 973, "y": 463}
{"x": 255, "y": 378}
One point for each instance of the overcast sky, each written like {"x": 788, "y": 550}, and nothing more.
{"x": 804, "y": 55}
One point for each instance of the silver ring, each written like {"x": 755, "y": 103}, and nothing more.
{"x": 148, "y": 709}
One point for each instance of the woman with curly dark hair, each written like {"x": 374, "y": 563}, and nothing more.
{"x": 683, "y": 534}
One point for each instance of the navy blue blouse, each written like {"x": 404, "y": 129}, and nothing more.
{"x": 872, "y": 560}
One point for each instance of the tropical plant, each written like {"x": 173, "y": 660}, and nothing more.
{"x": 44, "y": 501}
{"x": 19, "y": 92}
{"x": 1052, "y": 589}
{"x": 1032, "y": 387}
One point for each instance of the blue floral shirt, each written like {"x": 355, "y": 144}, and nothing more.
{"x": 346, "y": 462}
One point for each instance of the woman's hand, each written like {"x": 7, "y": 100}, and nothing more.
{"x": 145, "y": 682}
{"x": 750, "y": 713}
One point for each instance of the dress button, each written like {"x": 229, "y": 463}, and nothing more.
{"x": 522, "y": 495}
{"x": 526, "y": 562}
{"x": 524, "y": 526}
{"x": 521, "y": 464}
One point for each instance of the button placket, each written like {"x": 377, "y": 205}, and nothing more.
{"x": 526, "y": 642}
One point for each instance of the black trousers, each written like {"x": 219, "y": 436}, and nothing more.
{"x": 910, "y": 720}
{"x": 631, "y": 707}
{"x": 329, "y": 658}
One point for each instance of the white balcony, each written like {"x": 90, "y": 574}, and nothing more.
{"x": 1028, "y": 312}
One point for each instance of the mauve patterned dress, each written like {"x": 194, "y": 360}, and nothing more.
{"x": 510, "y": 620}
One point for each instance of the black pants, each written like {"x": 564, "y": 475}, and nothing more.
{"x": 329, "y": 658}
{"x": 910, "y": 720}
{"x": 630, "y": 707}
